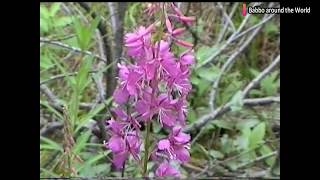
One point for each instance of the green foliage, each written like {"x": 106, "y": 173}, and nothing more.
{"x": 269, "y": 86}
{"x": 49, "y": 19}
{"x": 85, "y": 33}
{"x": 48, "y": 144}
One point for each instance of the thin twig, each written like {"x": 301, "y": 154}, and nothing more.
{"x": 231, "y": 60}
{"x": 262, "y": 75}
{"x": 227, "y": 17}
{"x": 74, "y": 49}
{"x": 53, "y": 100}
{"x": 202, "y": 121}
{"x": 61, "y": 76}
{"x": 232, "y": 38}
{"x": 261, "y": 158}
{"x": 222, "y": 33}
{"x": 56, "y": 103}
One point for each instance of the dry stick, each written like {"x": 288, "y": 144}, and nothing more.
{"x": 202, "y": 121}
{"x": 221, "y": 35}
{"x": 74, "y": 49}
{"x": 255, "y": 26}
{"x": 53, "y": 100}
{"x": 226, "y": 66}
{"x": 248, "y": 102}
{"x": 262, "y": 75}
{"x": 61, "y": 76}
{"x": 227, "y": 17}
{"x": 261, "y": 158}
{"x": 214, "y": 113}
{"x": 117, "y": 25}
{"x": 230, "y": 39}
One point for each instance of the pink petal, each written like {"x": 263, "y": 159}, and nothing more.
{"x": 169, "y": 25}
{"x": 187, "y": 59}
{"x": 116, "y": 144}
{"x": 119, "y": 159}
{"x": 178, "y": 31}
{"x": 170, "y": 67}
{"x": 165, "y": 169}
{"x": 120, "y": 113}
{"x": 164, "y": 144}
{"x": 182, "y": 154}
{"x": 182, "y": 138}
{"x": 167, "y": 118}
{"x": 183, "y": 43}
{"x": 121, "y": 96}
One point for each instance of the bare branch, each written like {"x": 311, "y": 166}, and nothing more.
{"x": 233, "y": 37}
{"x": 74, "y": 49}
{"x": 222, "y": 33}
{"x": 227, "y": 17}
{"x": 227, "y": 65}
{"x": 61, "y": 76}
{"x": 226, "y": 108}
{"x": 53, "y": 100}
{"x": 261, "y": 76}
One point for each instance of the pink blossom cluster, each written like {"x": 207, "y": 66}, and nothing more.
{"x": 154, "y": 89}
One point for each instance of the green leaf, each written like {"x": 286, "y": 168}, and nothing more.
{"x": 210, "y": 74}
{"x": 224, "y": 124}
{"x": 247, "y": 123}
{"x": 44, "y": 27}
{"x": 45, "y": 62}
{"x": 236, "y": 102}
{"x": 271, "y": 28}
{"x": 257, "y": 135}
{"x": 81, "y": 142}
{"x": 54, "y": 9}
{"x": 264, "y": 150}
{"x": 227, "y": 145}
{"x": 49, "y": 144}
{"x": 192, "y": 117}
{"x": 92, "y": 161}
{"x": 63, "y": 21}
{"x": 44, "y": 13}
{"x": 202, "y": 85}
{"x": 229, "y": 92}
{"x": 82, "y": 78}
{"x": 87, "y": 117}
{"x": 51, "y": 109}
{"x": 50, "y": 173}
{"x": 216, "y": 154}
{"x": 242, "y": 142}
{"x": 269, "y": 85}
{"x": 203, "y": 54}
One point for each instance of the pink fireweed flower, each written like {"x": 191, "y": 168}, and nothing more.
{"x": 153, "y": 89}
{"x": 152, "y": 8}
{"x": 176, "y": 146}
{"x": 178, "y": 32}
{"x": 183, "y": 43}
{"x": 122, "y": 143}
{"x": 180, "y": 82}
{"x": 165, "y": 170}
{"x": 138, "y": 42}
{"x": 166, "y": 111}
{"x": 130, "y": 78}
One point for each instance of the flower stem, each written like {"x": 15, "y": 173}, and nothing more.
{"x": 146, "y": 150}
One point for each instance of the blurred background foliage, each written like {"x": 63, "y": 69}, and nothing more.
{"x": 240, "y": 143}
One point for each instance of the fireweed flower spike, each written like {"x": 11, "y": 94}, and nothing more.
{"x": 153, "y": 89}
